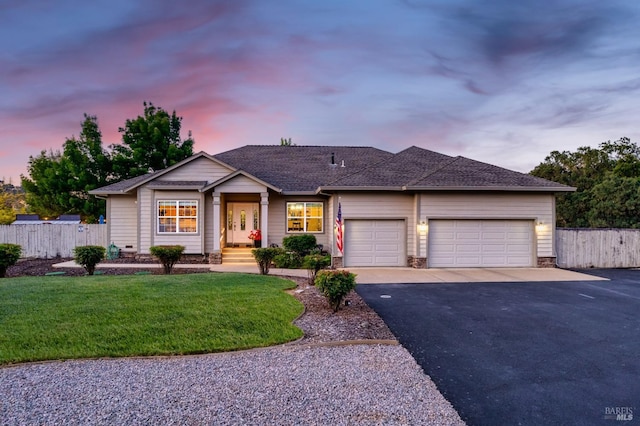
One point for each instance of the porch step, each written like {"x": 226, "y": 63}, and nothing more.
{"x": 237, "y": 255}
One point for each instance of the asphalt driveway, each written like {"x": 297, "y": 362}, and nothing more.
{"x": 524, "y": 353}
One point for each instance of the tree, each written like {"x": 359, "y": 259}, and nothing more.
{"x": 45, "y": 193}
{"x": 12, "y": 202}
{"x": 607, "y": 182}
{"x": 59, "y": 183}
{"x": 286, "y": 142}
{"x": 149, "y": 143}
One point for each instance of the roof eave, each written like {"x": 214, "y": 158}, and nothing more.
{"x": 360, "y": 188}
{"x": 120, "y": 192}
{"x": 493, "y": 188}
{"x": 239, "y": 173}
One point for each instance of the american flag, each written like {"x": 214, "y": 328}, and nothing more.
{"x": 339, "y": 228}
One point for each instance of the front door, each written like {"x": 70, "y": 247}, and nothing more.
{"x": 242, "y": 218}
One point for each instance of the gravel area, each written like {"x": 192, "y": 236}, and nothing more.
{"x": 316, "y": 380}
{"x": 355, "y": 384}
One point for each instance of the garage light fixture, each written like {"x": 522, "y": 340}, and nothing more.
{"x": 539, "y": 226}
{"x": 423, "y": 227}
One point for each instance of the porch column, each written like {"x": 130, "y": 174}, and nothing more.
{"x": 216, "y": 223}
{"x": 264, "y": 217}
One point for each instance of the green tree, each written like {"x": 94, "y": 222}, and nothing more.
{"x": 286, "y": 142}
{"x": 45, "y": 192}
{"x": 12, "y": 202}
{"x": 59, "y": 183}
{"x": 149, "y": 143}
{"x": 596, "y": 172}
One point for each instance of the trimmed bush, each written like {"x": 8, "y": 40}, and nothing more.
{"x": 167, "y": 255}
{"x": 89, "y": 257}
{"x": 335, "y": 285}
{"x": 314, "y": 263}
{"x": 264, "y": 257}
{"x": 288, "y": 260}
{"x": 9, "y": 255}
{"x": 301, "y": 244}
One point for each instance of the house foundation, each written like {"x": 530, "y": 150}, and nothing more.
{"x": 417, "y": 262}
{"x": 546, "y": 262}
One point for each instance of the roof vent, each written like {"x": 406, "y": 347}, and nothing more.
{"x": 342, "y": 164}
{"x": 333, "y": 158}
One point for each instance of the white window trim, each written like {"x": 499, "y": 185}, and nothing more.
{"x": 304, "y": 217}
{"x": 177, "y": 206}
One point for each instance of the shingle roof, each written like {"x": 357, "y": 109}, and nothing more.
{"x": 301, "y": 168}
{"x": 123, "y": 185}
{"x": 306, "y": 169}
{"x": 395, "y": 171}
{"x": 466, "y": 173}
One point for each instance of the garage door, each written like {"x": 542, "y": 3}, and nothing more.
{"x": 375, "y": 243}
{"x": 480, "y": 243}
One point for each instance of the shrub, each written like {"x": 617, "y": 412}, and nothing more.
{"x": 89, "y": 257}
{"x": 264, "y": 257}
{"x": 9, "y": 255}
{"x": 335, "y": 285}
{"x": 289, "y": 260}
{"x": 314, "y": 263}
{"x": 301, "y": 244}
{"x": 167, "y": 255}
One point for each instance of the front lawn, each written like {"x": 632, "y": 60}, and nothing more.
{"x": 43, "y": 318}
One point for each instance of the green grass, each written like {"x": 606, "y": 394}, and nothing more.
{"x": 112, "y": 316}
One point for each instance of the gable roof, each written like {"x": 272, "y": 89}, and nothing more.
{"x": 301, "y": 169}
{"x": 128, "y": 185}
{"x": 313, "y": 169}
{"x": 420, "y": 169}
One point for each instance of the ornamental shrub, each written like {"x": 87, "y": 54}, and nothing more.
{"x": 301, "y": 244}
{"x": 335, "y": 285}
{"x": 9, "y": 255}
{"x": 89, "y": 257}
{"x": 264, "y": 257}
{"x": 167, "y": 255}
{"x": 314, "y": 263}
{"x": 288, "y": 260}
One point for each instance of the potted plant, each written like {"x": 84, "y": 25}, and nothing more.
{"x": 256, "y": 236}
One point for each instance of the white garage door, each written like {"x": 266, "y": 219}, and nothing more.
{"x": 375, "y": 243}
{"x": 480, "y": 243}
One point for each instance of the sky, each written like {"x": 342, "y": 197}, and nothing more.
{"x": 505, "y": 82}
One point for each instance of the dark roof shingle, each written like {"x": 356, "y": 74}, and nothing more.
{"x": 301, "y": 168}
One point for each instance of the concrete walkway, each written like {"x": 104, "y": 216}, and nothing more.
{"x": 392, "y": 275}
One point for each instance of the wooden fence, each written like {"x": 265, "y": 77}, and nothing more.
{"x": 598, "y": 248}
{"x": 46, "y": 241}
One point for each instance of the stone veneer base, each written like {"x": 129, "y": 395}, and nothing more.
{"x": 546, "y": 262}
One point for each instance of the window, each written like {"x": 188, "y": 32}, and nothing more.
{"x": 177, "y": 217}
{"x": 304, "y": 217}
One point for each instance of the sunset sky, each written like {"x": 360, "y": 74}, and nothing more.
{"x": 505, "y": 82}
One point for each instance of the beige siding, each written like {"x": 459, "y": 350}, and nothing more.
{"x": 380, "y": 206}
{"x": 145, "y": 220}
{"x": 536, "y": 207}
{"x": 200, "y": 169}
{"x": 123, "y": 222}
{"x": 194, "y": 243}
{"x": 278, "y": 219}
{"x": 208, "y": 223}
{"x": 241, "y": 184}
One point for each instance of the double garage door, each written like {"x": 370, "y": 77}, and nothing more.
{"x": 481, "y": 243}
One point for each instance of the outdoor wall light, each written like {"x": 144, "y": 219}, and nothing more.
{"x": 423, "y": 227}
{"x": 539, "y": 226}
